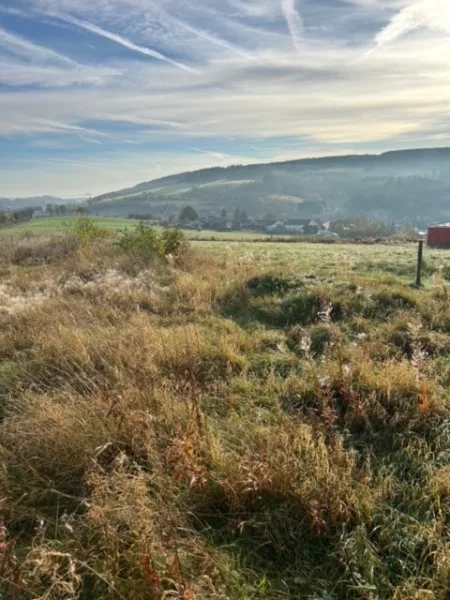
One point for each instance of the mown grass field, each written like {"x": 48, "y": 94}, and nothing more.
{"x": 236, "y": 421}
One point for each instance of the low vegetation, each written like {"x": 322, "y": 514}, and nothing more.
{"x": 181, "y": 423}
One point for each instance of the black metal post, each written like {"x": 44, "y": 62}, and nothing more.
{"x": 419, "y": 265}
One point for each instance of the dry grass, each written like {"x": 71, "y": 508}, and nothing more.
{"x": 219, "y": 428}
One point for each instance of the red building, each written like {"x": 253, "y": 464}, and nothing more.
{"x": 439, "y": 236}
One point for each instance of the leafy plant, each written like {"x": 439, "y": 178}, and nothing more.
{"x": 145, "y": 243}
{"x": 85, "y": 231}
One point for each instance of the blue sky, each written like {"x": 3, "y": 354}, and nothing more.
{"x": 96, "y": 95}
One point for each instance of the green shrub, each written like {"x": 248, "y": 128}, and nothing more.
{"x": 85, "y": 231}
{"x": 145, "y": 243}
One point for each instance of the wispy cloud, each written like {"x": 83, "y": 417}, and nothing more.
{"x": 294, "y": 22}
{"x": 218, "y": 155}
{"x": 90, "y": 140}
{"x": 20, "y": 46}
{"x": 15, "y": 12}
{"x": 217, "y": 41}
{"x": 15, "y": 73}
{"x": 118, "y": 39}
{"x": 433, "y": 14}
{"x": 65, "y": 127}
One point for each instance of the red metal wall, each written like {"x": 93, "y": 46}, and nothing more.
{"x": 439, "y": 237}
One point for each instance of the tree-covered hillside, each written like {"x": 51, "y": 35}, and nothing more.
{"x": 413, "y": 184}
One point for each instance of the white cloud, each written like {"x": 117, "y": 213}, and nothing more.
{"x": 315, "y": 96}
{"x": 118, "y": 39}
{"x": 204, "y": 35}
{"x": 21, "y": 47}
{"x": 294, "y": 22}
{"x": 14, "y": 73}
{"x": 433, "y": 14}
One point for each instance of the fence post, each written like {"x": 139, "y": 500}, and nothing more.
{"x": 419, "y": 265}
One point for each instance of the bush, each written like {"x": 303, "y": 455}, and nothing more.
{"x": 85, "y": 231}
{"x": 144, "y": 243}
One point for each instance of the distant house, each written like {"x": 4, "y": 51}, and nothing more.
{"x": 309, "y": 226}
{"x": 294, "y": 227}
{"x": 327, "y": 235}
{"x": 439, "y": 236}
{"x": 277, "y": 228}
{"x": 261, "y": 225}
{"x": 215, "y": 223}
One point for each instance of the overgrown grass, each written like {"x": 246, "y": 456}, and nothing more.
{"x": 220, "y": 427}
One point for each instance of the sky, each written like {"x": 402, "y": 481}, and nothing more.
{"x": 97, "y": 95}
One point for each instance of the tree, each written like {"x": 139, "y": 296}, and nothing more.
{"x": 270, "y": 217}
{"x": 240, "y": 215}
{"x": 23, "y": 215}
{"x": 188, "y": 214}
{"x": 223, "y": 213}
{"x": 5, "y": 218}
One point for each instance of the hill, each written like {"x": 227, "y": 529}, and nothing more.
{"x": 407, "y": 184}
{"x": 18, "y": 203}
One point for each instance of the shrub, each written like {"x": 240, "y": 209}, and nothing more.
{"x": 87, "y": 232}
{"x": 144, "y": 243}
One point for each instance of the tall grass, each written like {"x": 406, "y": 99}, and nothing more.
{"x": 219, "y": 428}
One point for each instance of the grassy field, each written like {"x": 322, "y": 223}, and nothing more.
{"x": 57, "y": 225}
{"x": 353, "y": 262}
{"x": 235, "y": 421}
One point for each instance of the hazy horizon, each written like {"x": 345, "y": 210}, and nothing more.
{"x": 97, "y": 96}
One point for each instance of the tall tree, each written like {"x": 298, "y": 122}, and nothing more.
{"x": 188, "y": 214}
